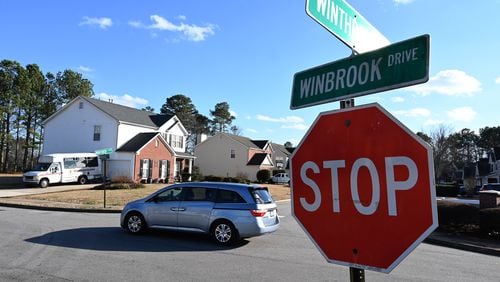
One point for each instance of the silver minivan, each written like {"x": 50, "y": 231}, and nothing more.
{"x": 225, "y": 211}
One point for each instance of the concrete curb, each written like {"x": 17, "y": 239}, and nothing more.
{"x": 64, "y": 209}
{"x": 455, "y": 244}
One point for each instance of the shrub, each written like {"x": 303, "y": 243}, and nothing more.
{"x": 263, "y": 175}
{"x": 120, "y": 182}
{"x": 196, "y": 174}
{"x": 457, "y": 213}
{"x": 213, "y": 178}
{"x": 490, "y": 221}
{"x": 446, "y": 190}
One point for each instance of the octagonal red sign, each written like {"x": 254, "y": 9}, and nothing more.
{"x": 363, "y": 188}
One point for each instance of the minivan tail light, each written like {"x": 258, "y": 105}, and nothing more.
{"x": 258, "y": 213}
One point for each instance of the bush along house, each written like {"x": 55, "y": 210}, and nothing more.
{"x": 145, "y": 147}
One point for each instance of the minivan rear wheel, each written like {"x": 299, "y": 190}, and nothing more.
{"x": 223, "y": 232}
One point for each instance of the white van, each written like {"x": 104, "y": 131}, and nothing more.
{"x": 64, "y": 168}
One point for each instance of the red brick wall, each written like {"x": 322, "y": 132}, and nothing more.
{"x": 155, "y": 153}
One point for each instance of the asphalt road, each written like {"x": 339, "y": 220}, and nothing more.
{"x": 61, "y": 246}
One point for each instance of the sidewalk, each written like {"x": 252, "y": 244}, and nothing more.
{"x": 9, "y": 198}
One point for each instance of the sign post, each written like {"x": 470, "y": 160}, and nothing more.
{"x": 343, "y": 21}
{"x": 104, "y": 155}
{"x": 363, "y": 188}
{"x": 398, "y": 65}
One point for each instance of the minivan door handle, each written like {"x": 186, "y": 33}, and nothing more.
{"x": 181, "y": 209}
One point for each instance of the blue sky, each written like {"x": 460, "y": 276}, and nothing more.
{"x": 246, "y": 52}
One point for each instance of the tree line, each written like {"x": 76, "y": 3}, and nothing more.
{"x": 460, "y": 150}
{"x": 27, "y": 97}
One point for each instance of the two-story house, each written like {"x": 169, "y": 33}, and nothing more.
{"x": 488, "y": 168}
{"x": 145, "y": 146}
{"x": 229, "y": 155}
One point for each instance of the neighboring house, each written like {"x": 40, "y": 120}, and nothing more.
{"x": 229, "y": 155}
{"x": 488, "y": 169}
{"x": 146, "y": 146}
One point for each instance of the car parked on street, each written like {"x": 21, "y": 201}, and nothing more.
{"x": 490, "y": 187}
{"x": 280, "y": 178}
{"x": 226, "y": 211}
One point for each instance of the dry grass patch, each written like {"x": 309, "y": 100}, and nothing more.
{"x": 118, "y": 198}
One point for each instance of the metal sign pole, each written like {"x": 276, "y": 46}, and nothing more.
{"x": 105, "y": 182}
{"x": 356, "y": 274}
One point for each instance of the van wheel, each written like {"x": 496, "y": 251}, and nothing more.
{"x": 135, "y": 223}
{"x": 82, "y": 179}
{"x": 224, "y": 233}
{"x": 44, "y": 183}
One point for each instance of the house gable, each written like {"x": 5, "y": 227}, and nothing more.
{"x": 73, "y": 129}
{"x": 142, "y": 140}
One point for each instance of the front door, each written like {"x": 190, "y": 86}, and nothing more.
{"x": 196, "y": 208}
{"x": 55, "y": 173}
{"x": 162, "y": 210}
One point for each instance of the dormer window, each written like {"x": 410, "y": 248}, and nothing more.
{"x": 176, "y": 141}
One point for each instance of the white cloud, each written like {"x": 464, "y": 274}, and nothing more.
{"x": 290, "y": 122}
{"x": 298, "y": 126}
{"x": 288, "y": 119}
{"x": 103, "y": 22}
{"x": 191, "y": 32}
{"x": 433, "y": 122}
{"x": 85, "y": 69}
{"x": 451, "y": 83}
{"x": 497, "y": 80}
{"x": 397, "y": 99}
{"x": 125, "y": 100}
{"x": 137, "y": 24}
{"x": 403, "y": 2}
{"x": 463, "y": 114}
{"x": 416, "y": 112}
{"x": 251, "y": 130}
{"x": 233, "y": 113}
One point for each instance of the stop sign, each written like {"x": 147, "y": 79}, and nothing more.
{"x": 363, "y": 188}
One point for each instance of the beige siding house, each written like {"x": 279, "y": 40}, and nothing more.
{"x": 229, "y": 155}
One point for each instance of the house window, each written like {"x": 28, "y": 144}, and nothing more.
{"x": 80, "y": 105}
{"x": 146, "y": 168}
{"x": 176, "y": 141}
{"x": 97, "y": 133}
{"x": 233, "y": 154}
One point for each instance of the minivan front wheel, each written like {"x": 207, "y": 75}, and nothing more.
{"x": 224, "y": 232}
{"x": 135, "y": 223}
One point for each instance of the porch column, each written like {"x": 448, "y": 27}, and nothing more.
{"x": 190, "y": 168}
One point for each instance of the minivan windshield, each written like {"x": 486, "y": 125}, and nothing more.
{"x": 261, "y": 195}
{"x": 41, "y": 167}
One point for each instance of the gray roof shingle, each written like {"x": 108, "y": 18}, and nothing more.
{"x": 137, "y": 142}
{"x": 130, "y": 115}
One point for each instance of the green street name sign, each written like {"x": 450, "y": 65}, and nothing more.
{"x": 343, "y": 21}
{"x": 104, "y": 151}
{"x": 398, "y": 65}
